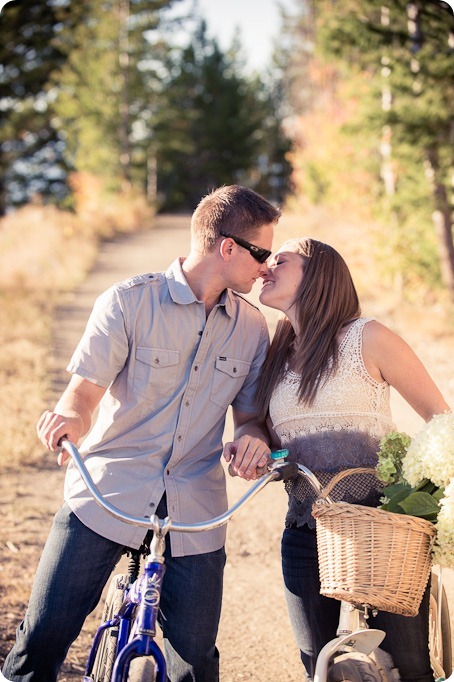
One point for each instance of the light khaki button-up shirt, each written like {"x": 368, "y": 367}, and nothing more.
{"x": 171, "y": 375}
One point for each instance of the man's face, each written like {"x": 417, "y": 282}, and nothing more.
{"x": 244, "y": 269}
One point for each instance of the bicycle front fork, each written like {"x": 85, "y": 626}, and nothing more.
{"x": 146, "y": 594}
{"x": 353, "y": 633}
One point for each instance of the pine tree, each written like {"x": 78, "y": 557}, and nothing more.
{"x": 416, "y": 43}
{"x": 212, "y": 124}
{"x": 104, "y": 88}
{"x": 31, "y": 50}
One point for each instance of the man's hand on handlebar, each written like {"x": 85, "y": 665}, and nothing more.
{"x": 52, "y": 427}
{"x": 248, "y": 457}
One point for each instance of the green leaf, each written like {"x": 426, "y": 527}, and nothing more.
{"x": 420, "y": 504}
{"x": 439, "y": 494}
{"x": 392, "y": 490}
{"x": 394, "y": 503}
{"x": 426, "y": 486}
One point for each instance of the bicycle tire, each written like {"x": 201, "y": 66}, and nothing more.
{"x": 105, "y": 657}
{"x": 445, "y": 654}
{"x": 142, "y": 670}
{"x": 356, "y": 667}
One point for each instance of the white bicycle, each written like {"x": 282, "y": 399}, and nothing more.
{"x": 354, "y": 655}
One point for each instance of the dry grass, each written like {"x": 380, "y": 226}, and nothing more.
{"x": 43, "y": 253}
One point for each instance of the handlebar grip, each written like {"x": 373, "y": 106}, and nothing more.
{"x": 286, "y": 471}
{"x": 260, "y": 471}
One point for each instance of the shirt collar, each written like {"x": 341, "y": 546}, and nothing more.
{"x": 181, "y": 292}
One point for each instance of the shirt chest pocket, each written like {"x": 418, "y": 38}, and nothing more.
{"x": 156, "y": 372}
{"x": 229, "y": 376}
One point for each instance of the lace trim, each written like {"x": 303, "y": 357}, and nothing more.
{"x": 325, "y": 454}
{"x": 307, "y": 424}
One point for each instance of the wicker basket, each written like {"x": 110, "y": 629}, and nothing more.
{"x": 370, "y": 556}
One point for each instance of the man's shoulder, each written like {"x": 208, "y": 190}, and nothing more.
{"x": 147, "y": 279}
{"x": 245, "y": 303}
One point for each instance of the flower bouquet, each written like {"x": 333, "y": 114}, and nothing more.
{"x": 419, "y": 473}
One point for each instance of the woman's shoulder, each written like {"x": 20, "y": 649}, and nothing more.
{"x": 379, "y": 339}
{"x": 364, "y": 328}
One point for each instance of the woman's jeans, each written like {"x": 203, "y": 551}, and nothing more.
{"x": 315, "y": 618}
{"x": 74, "y": 568}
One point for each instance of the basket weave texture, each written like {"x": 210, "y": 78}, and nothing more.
{"x": 371, "y": 556}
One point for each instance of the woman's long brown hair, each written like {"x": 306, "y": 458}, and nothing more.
{"x": 326, "y": 299}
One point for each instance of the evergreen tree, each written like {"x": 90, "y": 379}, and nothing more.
{"x": 211, "y": 126}
{"x": 30, "y": 50}
{"x": 77, "y": 79}
{"x": 105, "y": 88}
{"x": 413, "y": 50}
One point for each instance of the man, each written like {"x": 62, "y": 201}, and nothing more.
{"x": 163, "y": 355}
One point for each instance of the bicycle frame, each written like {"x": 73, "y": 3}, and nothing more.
{"x": 138, "y": 614}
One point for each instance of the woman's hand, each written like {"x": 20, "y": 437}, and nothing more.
{"x": 248, "y": 457}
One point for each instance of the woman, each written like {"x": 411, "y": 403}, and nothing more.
{"x": 325, "y": 393}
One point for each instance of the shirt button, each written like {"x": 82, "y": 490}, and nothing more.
{"x": 156, "y": 361}
{"x": 180, "y": 438}
{"x": 234, "y": 369}
{"x": 196, "y": 368}
{"x": 187, "y": 403}
{"x": 152, "y": 504}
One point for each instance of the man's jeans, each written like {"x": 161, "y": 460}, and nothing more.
{"x": 74, "y": 567}
{"x": 315, "y": 618}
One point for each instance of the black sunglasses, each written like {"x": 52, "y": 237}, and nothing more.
{"x": 256, "y": 252}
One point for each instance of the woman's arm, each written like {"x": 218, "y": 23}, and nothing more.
{"x": 388, "y": 357}
{"x": 275, "y": 442}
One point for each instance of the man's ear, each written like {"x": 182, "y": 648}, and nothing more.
{"x": 226, "y": 248}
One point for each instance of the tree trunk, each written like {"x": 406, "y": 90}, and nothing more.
{"x": 2, "y": 191}
{"x": 152, "y": 176}
{"x": 387, "y": 169}
{"x": 123, "y": 132}
{"x": 442, "y": 219}
{"x": 442, "y": 213}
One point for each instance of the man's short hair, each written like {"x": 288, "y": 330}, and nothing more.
{"x": 233, "y": 210}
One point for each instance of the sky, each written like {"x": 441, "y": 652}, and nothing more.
{"x": 257, "y": 21}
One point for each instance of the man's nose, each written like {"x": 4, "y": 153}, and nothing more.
{"x": 264, "y": 269}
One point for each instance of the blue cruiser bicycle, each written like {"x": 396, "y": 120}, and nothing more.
{"x": 124, "y": 648}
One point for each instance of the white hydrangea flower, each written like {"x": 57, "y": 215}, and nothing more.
{"x": 444, "y": 546}
{"x": 431, "y": 452}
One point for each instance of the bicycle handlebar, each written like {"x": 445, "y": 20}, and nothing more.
{"x": 282, "y": 472}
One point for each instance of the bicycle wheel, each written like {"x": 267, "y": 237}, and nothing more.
{"x": 105, "y": 657}
{"x": 142, "y": 670}
{"x": 356, "y": 667}
{"x": 442, "y": 650}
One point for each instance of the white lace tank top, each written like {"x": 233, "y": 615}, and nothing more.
{"x": 341, "y": 429}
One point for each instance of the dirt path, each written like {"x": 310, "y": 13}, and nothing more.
{"x": 255, "y": 639}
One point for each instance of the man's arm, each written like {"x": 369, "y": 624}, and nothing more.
{"x": 71, "y": 416}
{"x": 250, "y": 449}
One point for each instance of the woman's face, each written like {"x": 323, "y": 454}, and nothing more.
{"x": 283, "y": 278}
